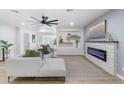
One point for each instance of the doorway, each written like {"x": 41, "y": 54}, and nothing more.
{"x": 26, "y": 41}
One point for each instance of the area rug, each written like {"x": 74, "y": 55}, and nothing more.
{"x": 79, "y": 68}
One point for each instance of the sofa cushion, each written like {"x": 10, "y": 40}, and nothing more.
{"x": 53, "y": 67}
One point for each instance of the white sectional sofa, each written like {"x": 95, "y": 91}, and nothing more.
{"x": 35, "y": 67}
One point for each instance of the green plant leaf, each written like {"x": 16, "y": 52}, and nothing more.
{"x": 5, "y": 44}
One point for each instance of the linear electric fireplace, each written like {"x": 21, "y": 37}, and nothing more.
{"x": 100, "y": 54}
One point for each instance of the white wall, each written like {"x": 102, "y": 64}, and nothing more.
{"x": 69, "y": 28}
{"x": 21, "y": 36}
{"x": 70, "y": 50}
{"x": 8, "y": 33}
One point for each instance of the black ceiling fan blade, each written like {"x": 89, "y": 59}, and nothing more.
{"x": 51, "y": 21}
{"x": 35, "y": 18}
{"x": 48, "y": 24}
{"x": 45, "y": 19}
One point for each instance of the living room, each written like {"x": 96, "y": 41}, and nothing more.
{"x": 42, "y": 35}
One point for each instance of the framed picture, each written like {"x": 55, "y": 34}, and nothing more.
{"x": 33, "y": 38}
{"x": 2, "y": 55}
{"x": 98, "y": 31}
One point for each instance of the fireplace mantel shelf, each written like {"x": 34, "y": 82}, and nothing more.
{"x": 102, "y": 41}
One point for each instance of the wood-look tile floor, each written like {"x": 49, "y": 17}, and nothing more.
{"x": 3, "y": 79}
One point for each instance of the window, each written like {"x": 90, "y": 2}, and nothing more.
{"x": 48, "y": 39}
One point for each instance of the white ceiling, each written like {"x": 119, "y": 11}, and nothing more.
{"x": 80, "y": 17}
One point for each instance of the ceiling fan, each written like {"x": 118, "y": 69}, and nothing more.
{"x": 43, "y": 21}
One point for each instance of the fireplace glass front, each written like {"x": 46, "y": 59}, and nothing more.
{"x": 98, "y": 53}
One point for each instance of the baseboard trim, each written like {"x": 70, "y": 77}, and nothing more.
{"x": 120, "y": 76}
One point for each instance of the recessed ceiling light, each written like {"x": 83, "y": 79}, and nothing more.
{"x": 71, "y": 23}
{"x": 42, "y": 30}
{"x": 22, "y": 23}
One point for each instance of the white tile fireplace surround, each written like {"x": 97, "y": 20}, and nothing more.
{"x": 103, "y": 54}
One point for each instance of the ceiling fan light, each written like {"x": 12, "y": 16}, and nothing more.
{"x": 71, "y": 23}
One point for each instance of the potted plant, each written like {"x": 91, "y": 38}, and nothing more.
{"x": 5, "y": 45}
